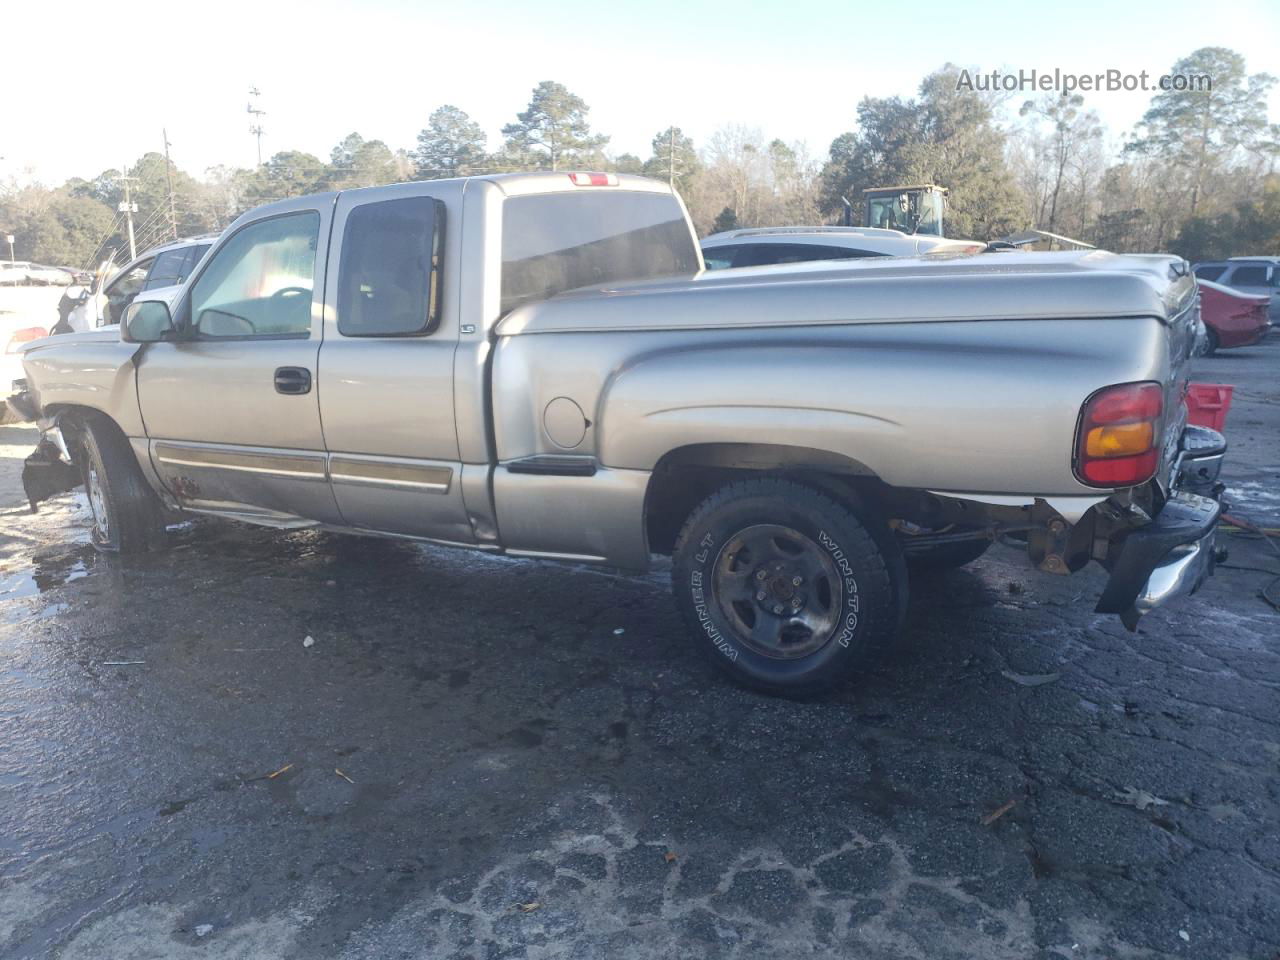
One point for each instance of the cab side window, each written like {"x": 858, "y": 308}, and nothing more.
{"x": 388, "y": 283}
{"x": 1210, "y": 273}
{"x": 259, "y": 283}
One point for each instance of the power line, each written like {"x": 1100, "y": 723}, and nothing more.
{"x": 168, "y": 176}
{"x": 128, "y": 208}
{"x": 255, "y": 125}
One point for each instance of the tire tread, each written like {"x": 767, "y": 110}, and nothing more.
{"x": 885, "y": 614}
{"x": 137, "y": 512}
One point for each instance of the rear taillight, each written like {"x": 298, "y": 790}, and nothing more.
{"x": 1116, "y": 442}
{"x": 594, "y": 179}
{"x": 25, "y": 335}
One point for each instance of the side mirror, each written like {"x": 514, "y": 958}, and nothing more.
{"x": 147, "y": 321}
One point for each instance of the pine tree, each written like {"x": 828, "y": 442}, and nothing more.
{"x": 452, "y": 145}
{"x": 552, "y": 132}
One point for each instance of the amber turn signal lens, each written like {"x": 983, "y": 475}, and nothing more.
{"x": 1119, "y": 441}
{"x": 1117, "y": 435}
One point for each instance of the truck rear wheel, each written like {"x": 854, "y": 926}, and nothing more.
{"x": 127, "y": 516}
{"x": 785, "y": 589}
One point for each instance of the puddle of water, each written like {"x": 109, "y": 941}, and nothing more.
{"x": 48, "y": 573}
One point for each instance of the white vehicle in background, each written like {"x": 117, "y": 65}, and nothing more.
{"x": 758, "y": 246}
{"x": 13, "y": 272}
{"x": 40, "y": 274}
{"x": 162, "y": 267}
{"x": 159, "y": 272}
{"x": 15, "y": 333}
{"x": 19, "y": 272}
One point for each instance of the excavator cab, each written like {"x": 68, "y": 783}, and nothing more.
{"x": 911, "y": 209}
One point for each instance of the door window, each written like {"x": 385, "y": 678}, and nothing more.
{"x": 124, "y": 288}
{"x": 166, "y": 270}
{"x": 1209, "y": 273}
{"x": 174, "y": 266}
{"x": 719, "y": 258}
{"x": 1249, "y": 277}
{"x": 259, "y": 284}
{"x": 387, "y": 285}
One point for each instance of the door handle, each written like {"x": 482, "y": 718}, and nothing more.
{"x": 293, "y": 380}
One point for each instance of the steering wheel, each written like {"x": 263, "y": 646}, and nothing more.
{"x": 284, "y": 292}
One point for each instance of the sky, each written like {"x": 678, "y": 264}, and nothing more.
{"x": 796, "y": 69}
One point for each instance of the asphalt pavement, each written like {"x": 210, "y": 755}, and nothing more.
{"x": 262, "y": 744}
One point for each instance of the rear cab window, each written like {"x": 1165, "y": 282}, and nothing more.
{"x": 553, "y": 242}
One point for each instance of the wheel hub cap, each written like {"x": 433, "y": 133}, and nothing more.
{"x": 779, "y": 591}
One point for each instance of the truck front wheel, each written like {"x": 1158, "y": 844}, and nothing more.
{"x": 785, "y": 589}
{"x": 126, "y": 515}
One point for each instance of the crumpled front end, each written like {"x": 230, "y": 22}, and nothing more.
{"x": 48, "y": 471}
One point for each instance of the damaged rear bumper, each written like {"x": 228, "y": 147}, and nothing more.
{"x": 1175, "y": 553}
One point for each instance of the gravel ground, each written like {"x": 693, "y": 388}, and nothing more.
{"x": 483, "y": 757}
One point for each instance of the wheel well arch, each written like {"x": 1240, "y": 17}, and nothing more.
{"x": 684, "y": 477}
{"x": 70, "y": 419}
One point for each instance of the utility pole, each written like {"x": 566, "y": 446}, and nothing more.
{"x": 129, "y": 208}
{"x": 168, "y": 176}
{"x": 671, "y": 159}
{"x": 255, "y": 125}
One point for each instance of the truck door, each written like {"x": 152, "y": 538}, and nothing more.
{"x": 231, "y": 410}
{"x": 386, "y": 368}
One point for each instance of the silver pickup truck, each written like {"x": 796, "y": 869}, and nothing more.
{"x": 538, "y": 365}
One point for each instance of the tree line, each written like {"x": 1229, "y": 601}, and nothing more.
{"x": 1197, "y": 176}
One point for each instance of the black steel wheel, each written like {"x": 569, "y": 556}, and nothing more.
{"x": 785, "y": 588}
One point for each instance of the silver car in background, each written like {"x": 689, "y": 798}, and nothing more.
{"x": 155, "y": 271}
{"x": 759, "y": 246}
{"x": 24, "y": 272}
{"x": 1256, "y": 275}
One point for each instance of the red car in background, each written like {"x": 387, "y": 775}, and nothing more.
{"x": 1232, "y": 318}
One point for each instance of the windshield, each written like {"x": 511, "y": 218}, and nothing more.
{"x": 554, "y": 242}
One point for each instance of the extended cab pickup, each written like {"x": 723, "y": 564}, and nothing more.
{"x": 537, "y": 364}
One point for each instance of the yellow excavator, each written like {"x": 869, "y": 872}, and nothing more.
{"x": 916, "y": 208}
